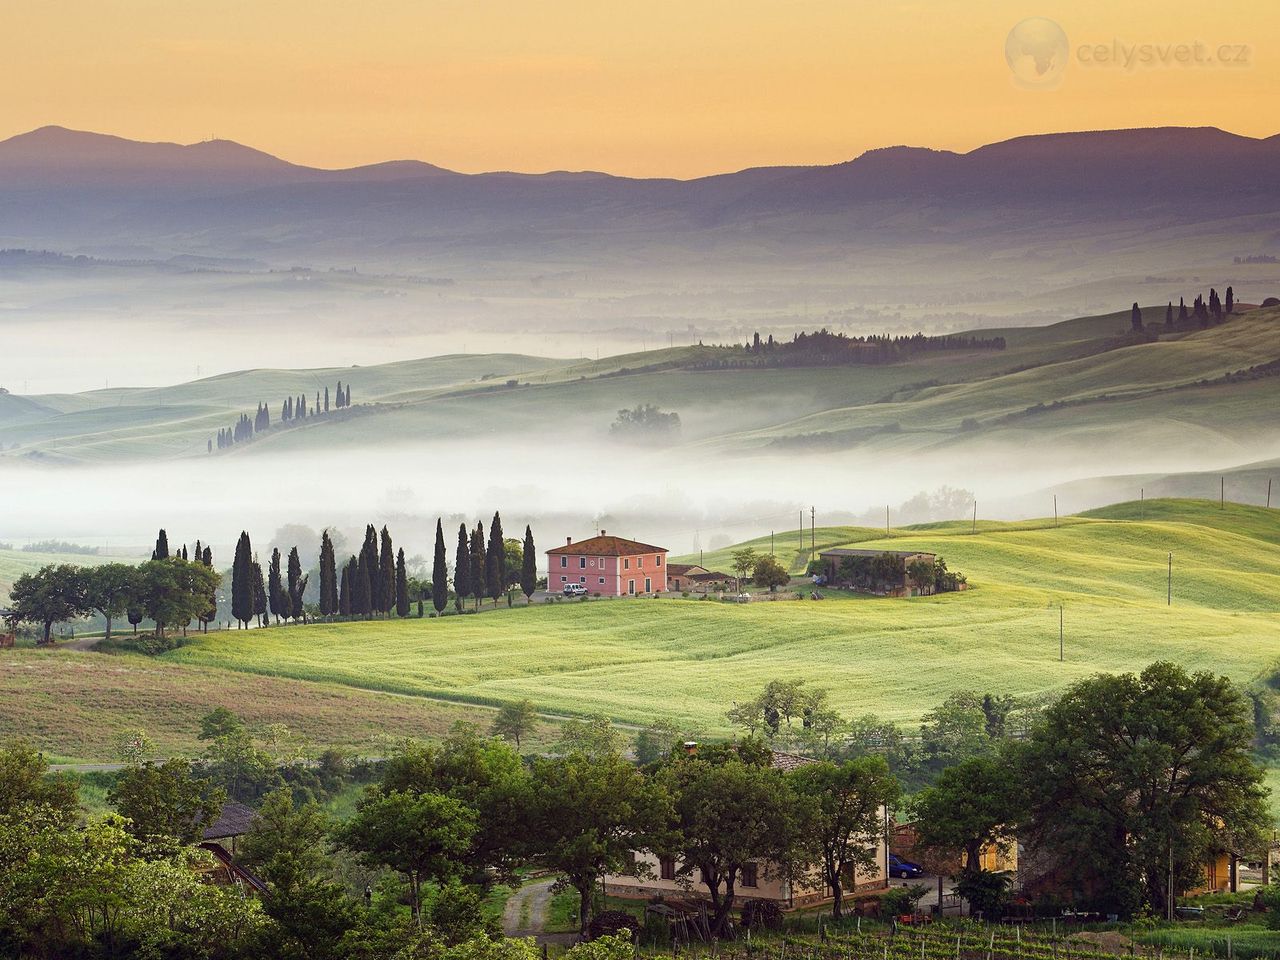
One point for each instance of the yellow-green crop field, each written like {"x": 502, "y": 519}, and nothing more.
{"x": 637, "y": 659}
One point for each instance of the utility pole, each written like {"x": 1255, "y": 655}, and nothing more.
{"x": 813, "y": 532}
{"x": 974, "y": 529}
{"x": 1055, "y": 510}
{"x": 886, "y": 519}
{"x": 1061, "y": 635}
{"x": 1222, "y": 493}
{"x": 772, "y": 552}
{"x": 1268, "y": 494}
{"x": 1170, "y": 600}
{"x": 1142, "y": 503}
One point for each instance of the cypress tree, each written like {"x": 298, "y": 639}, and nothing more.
{"x": 259, "y": 592}
{"x": 161, "y": 551}
{"x": 462, "y": 568}
{"x": 362, "y": 592}
{"x": 369, "y": 572}
{"x": 387, "y": 575}
{"x": 241, "y": 582}
{"x": 1231, "y": 300}
{"x": 496, "y": 560}
{"x": 276, "y": 597}
{"x": 326, "y": 398}
{"x": 478, "y": 564}
{"x": 297, "y": 586}
{"x": 402, "y": 586}
{"x": 439, "y": 572}
{"x": 344, "y": 592}
{"x": 328, "y": 577}
{"x": 1135, "y": 317}
{"x": 1168, "y": 315}
{"x": 528, "y": 566}
{"x": 1182, "y": 310}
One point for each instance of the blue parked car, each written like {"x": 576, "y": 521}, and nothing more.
{"x": 904, "y": 869}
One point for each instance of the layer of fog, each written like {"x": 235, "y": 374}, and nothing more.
{"x": 680, "y": 499}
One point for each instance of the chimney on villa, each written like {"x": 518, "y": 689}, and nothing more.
{"x": 603, "y": 532}
{"x": 568, "y": 541}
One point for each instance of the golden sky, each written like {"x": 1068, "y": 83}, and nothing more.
{"x": 655, "y": 88}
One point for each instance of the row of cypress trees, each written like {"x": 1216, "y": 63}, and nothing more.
{"x": 293, "y": 408}
{"x": 374, "y": 582}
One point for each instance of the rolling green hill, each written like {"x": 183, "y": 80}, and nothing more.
{"x": 896, "y": 658}
{"x": 1086, "y": 381}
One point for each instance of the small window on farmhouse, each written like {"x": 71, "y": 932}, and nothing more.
{"x": 582, "y": 579}
{"x": 582, "y": 563}
{"x": 602, "y": 579}
{"x": 564, "y": 561}
{"x": 639, "y": 561}
{"x": 658, "y": 560}
{"x": 667, "y": 868}
{"x": 750, "y": 875}
{"x": 564, "y": 579}
{"x": 626, "y": 563}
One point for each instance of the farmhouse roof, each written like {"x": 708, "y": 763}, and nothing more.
{"x": 786, "y": 762}
{"x": 684, "y": 569}
{"x": 851, "y": 552}
{"x": 235, "y": 820}
{"x": 710, "y": 576}
{"x": 606, "y": 546}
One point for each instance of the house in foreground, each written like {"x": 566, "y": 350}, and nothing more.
{"x": 608, "y": 566}
{"x": 757, "y": 881}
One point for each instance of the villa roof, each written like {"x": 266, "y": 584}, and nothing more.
{"x": 235, "y": 820}
{"x": 684, "y": 569}
{"x": 786, "y": 762}
{"x": 606, "y": 546}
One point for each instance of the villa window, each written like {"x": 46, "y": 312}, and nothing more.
{"x": 626, "y": 563}
{"x": 582, "y": 563}
{"x": 564, "y": 561}
{"x": 750, "y": 875}
{"x": 658, "y": 560}
{"x": 667, "y": 868}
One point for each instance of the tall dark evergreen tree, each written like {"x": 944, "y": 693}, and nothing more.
{"x": 1182, "y": 310}
{"x": 328, "y": 577}
{"x": 362, "y": 589}
{"x": 326, "y": 399}
{"x": 402, "y": 586}
{"x": 529, "y": 565}
{"x": 371, "y": 569}
{"x": 242, "y": 582}
{"x": 1231, "y": 300}
{"x": 161, "y": 551}
{"x": 277, "y": 599}
{"x": 496, "y": 560}
{"x": 297, "y": 587}
{"x": 386, "y": 575}
{"x": 462, "y": 567}
{"x": 259, "y": 592}
{"x": 1135, "y": 317}
{"x": 439, "y": 572}
{"x": 1168, "y": 315}
{"x": 344, "y": 590}
{"x": 478, "y": 564}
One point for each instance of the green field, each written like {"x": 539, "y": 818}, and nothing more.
{"x": 687, "y": 659}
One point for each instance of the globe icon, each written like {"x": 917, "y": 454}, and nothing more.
{"x": 1036, "y": 50}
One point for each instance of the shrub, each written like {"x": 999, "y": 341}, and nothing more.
{"x": 613, "y": 923}
{"x": 761, "y": 914}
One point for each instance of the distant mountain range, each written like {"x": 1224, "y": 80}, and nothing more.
{"x": 999, "y": 224}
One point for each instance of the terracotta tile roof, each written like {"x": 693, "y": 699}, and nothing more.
{"x": 787, "y": 762}
{"x": 684, "y": 569}
{"x": 605, "y": 546}
{"x": 234, "y": 821}
{"x": 711, "y": 576}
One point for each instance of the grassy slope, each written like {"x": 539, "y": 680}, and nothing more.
{"x": 72, "y": 705}
{"x": 897, "y": 658}
{"x": 14, "y": 563}
{"x": 926, "y": 398}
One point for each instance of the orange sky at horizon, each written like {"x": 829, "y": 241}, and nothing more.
{"x": 662, "y": 88}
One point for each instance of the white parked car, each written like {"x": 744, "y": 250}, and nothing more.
{"x": 574, "y": 590}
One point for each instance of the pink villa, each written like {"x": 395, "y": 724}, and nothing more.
{"x": 609, "y": 566}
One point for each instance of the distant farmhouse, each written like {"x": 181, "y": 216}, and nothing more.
{"x": 693, "y": 578}
{"x": 609, "y": 566}
{"x": 890, "y": 573}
